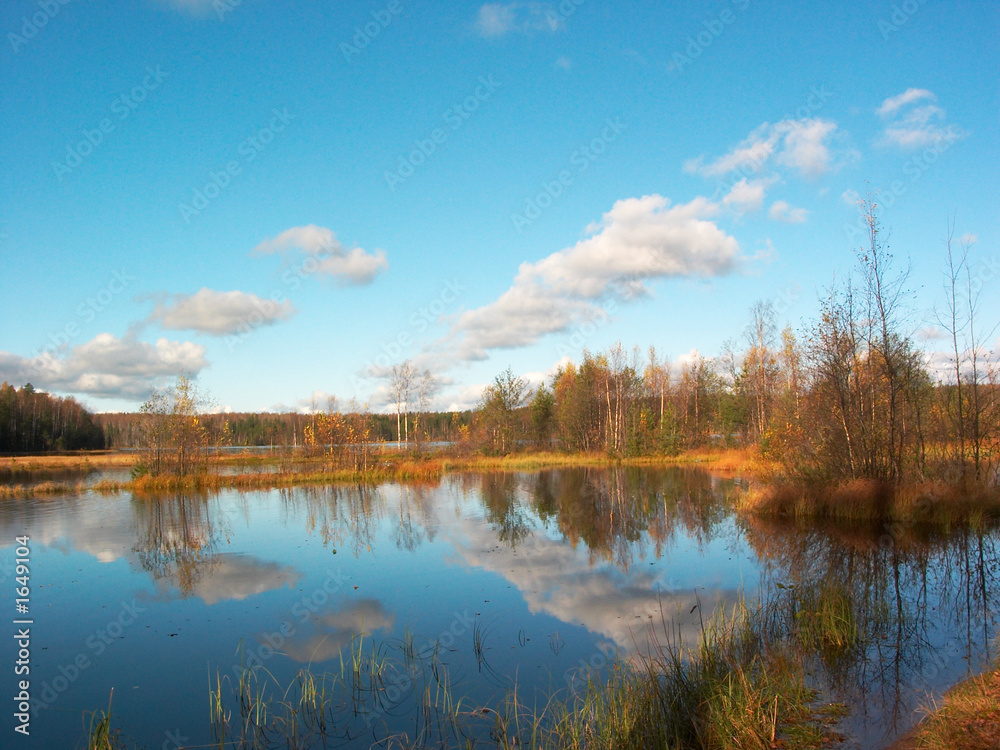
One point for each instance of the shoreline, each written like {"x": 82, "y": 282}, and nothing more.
{"x": 968, "y": 718}
{"x": 932, "y": 502}
{"x": 301, "y": 469}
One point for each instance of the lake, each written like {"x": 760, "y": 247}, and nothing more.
{"x": 470, "y": 586}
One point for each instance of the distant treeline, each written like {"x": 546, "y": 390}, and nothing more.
{"x": 32, "y": 421}
{"x": 127, "y": 430}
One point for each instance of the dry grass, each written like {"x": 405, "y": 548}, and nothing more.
{"x": 968, "y": 719}
{"x": 318, "y": 469}
{"x": 82, "y": 461}
{"x": 865, "y": 499}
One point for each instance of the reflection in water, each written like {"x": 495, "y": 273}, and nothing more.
{"x": 617, "y": 512}
{"x": 332, "y": 630}
{"x": 175, "y": 538}
{"x": 581, "y": 558}
{"x": 916, "y": 612}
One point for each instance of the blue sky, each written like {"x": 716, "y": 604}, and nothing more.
{"x": 285, "y": 199}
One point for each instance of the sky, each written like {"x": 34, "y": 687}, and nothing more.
{"x": 283, "y": 201}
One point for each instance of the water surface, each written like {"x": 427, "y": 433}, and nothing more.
{"x": 547, "y": 573}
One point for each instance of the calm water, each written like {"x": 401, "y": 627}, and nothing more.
{"x": 548, "y": 572}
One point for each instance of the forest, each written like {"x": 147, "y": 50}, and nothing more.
{"x": 851, "y": 395}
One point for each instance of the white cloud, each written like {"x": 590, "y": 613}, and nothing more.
{"x": 893, "y": 103}
{"x": 851, "y": 198}
{"x": 235, "y": 577}
{"x": 639, "y": 239}
{"x": 467, "y": 398}
{"x": 220, "y": 313}
{"x": 564, "y": 62}
{"x": 324, "y": 254}
{"x": 912, "y": 122}
{"x": 781, "y": 211}
{"x": 328, "y": 633}
{"x": 931, "y": 333}
{"x": 499, "y": 19}
{"x": 968, "y": 239}
{"x": 803, "y": 145}
{"x": 941, "y": 364}
{"x": 566, "y": 582}
{"x": 746, "y": 196}
{"x": 105, "y": 366}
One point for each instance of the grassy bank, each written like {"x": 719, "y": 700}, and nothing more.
{"x": 301, "y": 469}
{"x": 967, "y": 719}
{"x": 927, "y": 502}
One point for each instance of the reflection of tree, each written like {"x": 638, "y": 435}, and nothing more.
{"x": 415, "y": 521}
{"x": 504, "y": 512}
{"x": 921, "y": 606}
{"x": 616, "y": 512}
{"x": 346, "y": 516}
{"x": 175, "y": 537}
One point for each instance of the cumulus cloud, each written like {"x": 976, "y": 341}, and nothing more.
{"x": 746, "y": 196}
{"x": 236, "y": 577}
{"x": 327, "y": 633}
{"x": 220, "y": 313}
{"x": 638, "y": 240}
{"x": 781, "y": 211}
{"x": 803, "y": 145}
{"x": 105, "y": 366}
{"x": 913, "y": 120}
{"x": 560, "y": 580}
{"x": 324, "y": 254}
{"x": 499, "y": 19}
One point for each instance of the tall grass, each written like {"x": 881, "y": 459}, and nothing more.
{"x": 928, "y": 502}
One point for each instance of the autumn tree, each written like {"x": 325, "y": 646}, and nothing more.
{"x": 401, "y": 380}
{"x": 543, "y": 411}
{"x": 175, "y": 436}
{"x": 498, "y": 411}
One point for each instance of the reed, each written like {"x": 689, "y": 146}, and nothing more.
{"x": 100, "y": 735}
